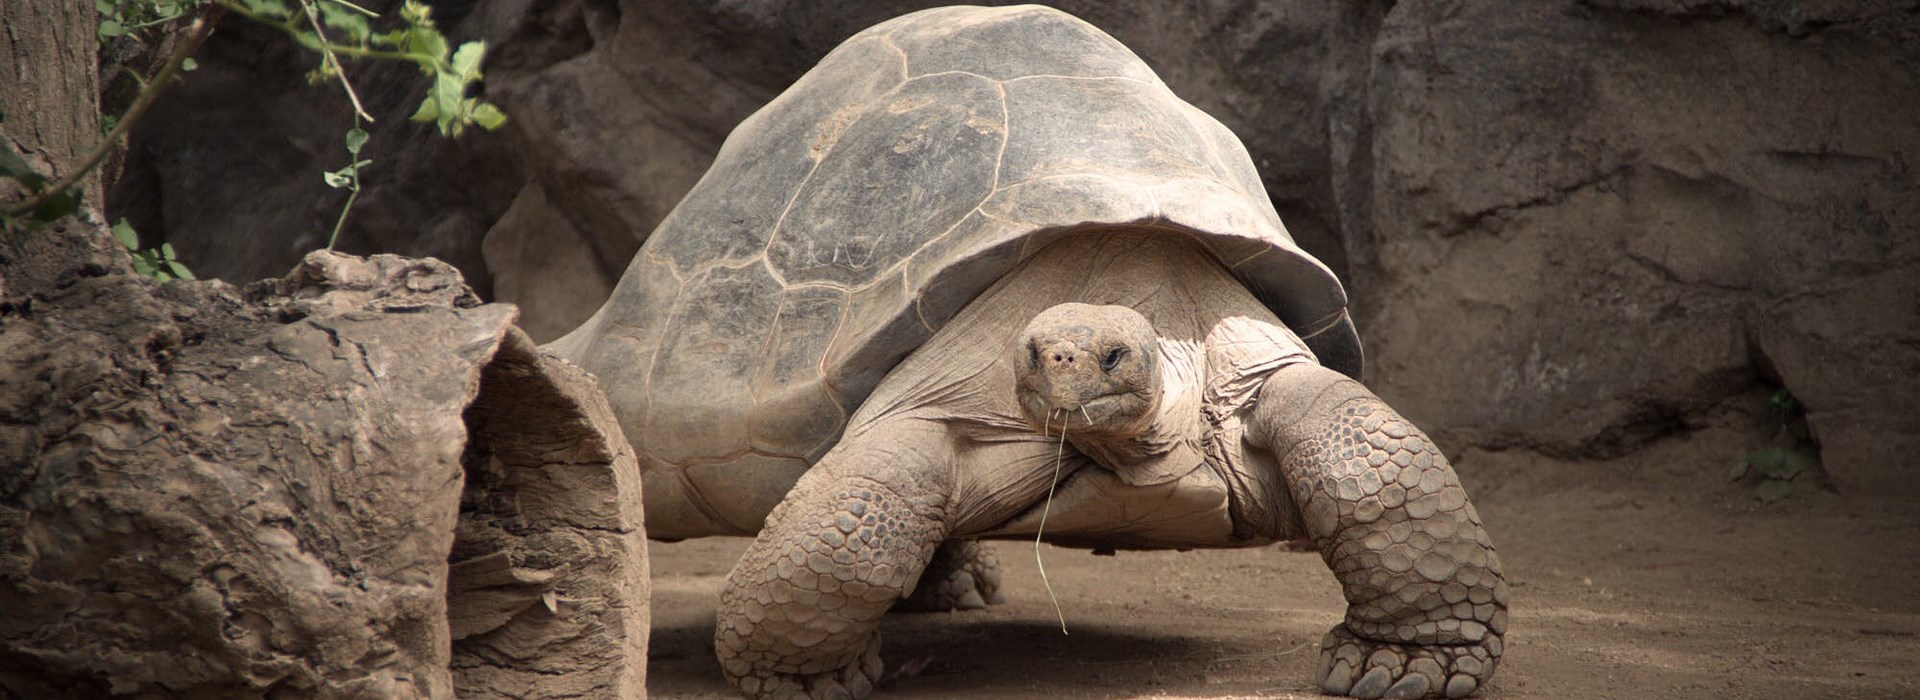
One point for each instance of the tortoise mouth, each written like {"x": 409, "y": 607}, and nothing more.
{"x": 1114, "y": 414}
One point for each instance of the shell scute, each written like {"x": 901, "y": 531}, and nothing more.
{"x": 720, "y": 328}
{"x": 794, "y": 409}
{"x": 866, "y": 207}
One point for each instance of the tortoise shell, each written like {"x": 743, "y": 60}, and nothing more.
{"x": 847, "y": 221}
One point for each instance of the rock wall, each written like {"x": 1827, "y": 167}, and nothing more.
{"x": 1587, "y": 223}
{"x": 1570, "y": 226}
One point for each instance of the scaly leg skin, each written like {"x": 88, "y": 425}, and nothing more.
{"x": 964, "y": 575}
{"x": 800, "y": 613}
{"x": 1426, "y": 603}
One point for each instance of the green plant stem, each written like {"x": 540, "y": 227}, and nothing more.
{"x": 352, "y": 194}
{"x": 289, "y": 26}
{"x": 196, "y": 33}
{"x": 356, "y": 8}
{"x": 326, "y": 50}
{"x": 150, "y": 23}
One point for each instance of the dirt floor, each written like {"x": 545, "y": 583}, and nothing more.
{"x": 1651, "y": 577}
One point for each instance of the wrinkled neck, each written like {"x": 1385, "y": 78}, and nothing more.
{"x": 1169, "y": 446}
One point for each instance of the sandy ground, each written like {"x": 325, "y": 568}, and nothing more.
{"x": 1651, "y": 576}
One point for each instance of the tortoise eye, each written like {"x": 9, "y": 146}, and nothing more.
{"x": 1112, "y": 359}
{"x": 1033, "y": 354}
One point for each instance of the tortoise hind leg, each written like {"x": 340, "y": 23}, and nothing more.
{"x": 800, "y": 613}
{"x": 1426, "y": 603}
{"x": 964, "y": 575}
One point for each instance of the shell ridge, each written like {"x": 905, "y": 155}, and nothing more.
{"x": 672, "y": 269}
{"x": 826, "y": 376}
{"x": 1051, "y": 76}
{"x": 653, "y": 358}
{"x": 1117, "y": 182}
{"x": 734, "y": 263}
{"x": 696, "y": 497}
{"x": 1006, "y": 135}
{"x": 955, "y": 71}
{"x": 1243, "y": 261}
{"x": 906, "y": 62}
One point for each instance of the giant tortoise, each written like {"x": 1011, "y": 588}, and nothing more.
{"x": 967, "y": 235}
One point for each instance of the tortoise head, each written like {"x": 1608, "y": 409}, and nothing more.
{"x": 1089, "y": 369}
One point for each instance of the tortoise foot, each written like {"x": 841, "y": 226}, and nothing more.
{"x": 964, "y": 575}
{"x": 1357, "y": 667}
{"x": 853, "y": 681}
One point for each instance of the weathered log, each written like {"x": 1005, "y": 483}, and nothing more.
{"x": 213, "y": 493}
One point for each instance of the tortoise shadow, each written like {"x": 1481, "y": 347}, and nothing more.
{"x": 964, "y": 653}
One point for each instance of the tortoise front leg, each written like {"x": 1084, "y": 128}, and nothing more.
{"x": 1426, "y": 603}
{"x": 964, "y": 575}
{"x": 800, "y": 614}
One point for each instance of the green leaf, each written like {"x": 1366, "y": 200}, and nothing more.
{"x": 123, "y": 232}
{"x": 427, "y": 42}
{"x": 1781, "y": 462}
{"x": 356, "y": 137}
{"x": 179, "y": 270}
{"x": 396, "y": 38}
{"x": 322, "y": 73}
{"x": 466, "y": 60}
{"x": 346, "y": 20}
{"x": 447, "y": 92}
{"x": 11, "y": 165}
{"x": 141, "y": 266}
{"x": 162, "y": 276}
{"x": 272, "y": 9}
{"x": 166, "y": 251}
{"x": 188, "y": 65}
{"x": 489, "y": 117}
{"x": 429, "y": 111}
{"x": 110, "y": 29}
{"x": 1773, "y": 490}
{"x": 58, "y": 206}
{"x": 106, "y": 8}
{"x": 416, "y": 13}
{"x": 338, "y": 178}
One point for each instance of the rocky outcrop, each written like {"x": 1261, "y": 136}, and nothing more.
{"x": 1572, "y": 226}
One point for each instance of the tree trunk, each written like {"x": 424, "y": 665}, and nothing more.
{"x": 49, "y": 86}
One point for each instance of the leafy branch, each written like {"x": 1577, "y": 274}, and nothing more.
{"x": 336, "y": 29}
{"x": 453, "y": 71}
{"x": 52, "y": 202}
